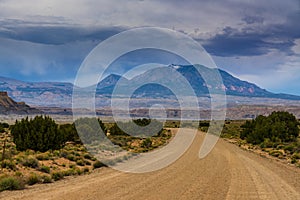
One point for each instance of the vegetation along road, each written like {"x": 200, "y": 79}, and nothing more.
{"x": 228, "y": 172}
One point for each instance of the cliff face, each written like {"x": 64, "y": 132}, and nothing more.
{"x": 9, "y": 106}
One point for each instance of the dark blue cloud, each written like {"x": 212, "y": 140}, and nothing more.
{"x": 55, "y": 34}
{"x": 249, "y": 42}
{"x": 255, "y": 40}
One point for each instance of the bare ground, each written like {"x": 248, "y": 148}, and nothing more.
{"x": 228, "y": 172}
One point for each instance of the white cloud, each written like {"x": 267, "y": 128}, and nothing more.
{"x": 296, "y": 47}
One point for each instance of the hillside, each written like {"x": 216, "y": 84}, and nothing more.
{"x": 9, "y": 106}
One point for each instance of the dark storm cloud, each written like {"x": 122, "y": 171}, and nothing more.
{"x": 256, "y": 40}
{"x": 248, "y": 42}
{"x": 55, "y": 34}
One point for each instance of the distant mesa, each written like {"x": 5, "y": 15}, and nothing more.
{"x": 9, "y": 106}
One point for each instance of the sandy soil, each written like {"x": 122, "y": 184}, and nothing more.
{"x": 228, "y": 172}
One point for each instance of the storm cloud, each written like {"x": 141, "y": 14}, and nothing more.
{"x": 48, "y": 40}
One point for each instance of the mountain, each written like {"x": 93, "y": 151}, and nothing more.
{"x": 59, "y": 94}
{"x": 38, "y": 93}
{"x": 9, "y": 106}
{"x": 107, "y": 85}
{"x": 232, "y": 85}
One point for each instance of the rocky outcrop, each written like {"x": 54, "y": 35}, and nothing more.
{"x": 9, "y": 106}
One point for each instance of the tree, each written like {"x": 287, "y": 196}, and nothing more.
{"x": 39, "y": 134}
{"x": 90, "y": 129}
{"x": 277, "y": 127}
{"x": 69, "y": 133}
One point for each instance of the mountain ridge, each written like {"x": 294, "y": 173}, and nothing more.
{"x": 59, "y": 94}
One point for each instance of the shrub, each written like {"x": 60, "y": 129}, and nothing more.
{"x": 87, "y": 162}
{"x": 98, "y": 164}
{"x": 291, "y": 148}
{"x": 30, "y": 162}
{"x": 275, "y": 153}
{"x": 78, "y": 171}
{"x": 69, "y": 172}
{"x": 72, "y": 166}
{"x": 80, "y": 162}
{"x": 86, "y": 170}
{"x": 33, "y": 179}
{"x": 46, "y": 179}
{"x": 71, "y": 157}
{"x": 293, "y": 160}
{"x": 11, "y": 183}
{"x": 87, "y": 156}
{"x": 42, "y": 156}
{"x": 45, "y": 169}
{"x": 57, "y": 176}
{"x": 277, "y": 127}
{"x": 296, "y": 156}
{"x": 147, "y": 143}
{"x": 64, "y": 154}
{"x": 18, "y": 174}
{"x": 8, "y": 164}
{"x": 89, "y": 129}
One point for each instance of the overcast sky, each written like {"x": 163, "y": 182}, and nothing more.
{"x": 255, "y": 40}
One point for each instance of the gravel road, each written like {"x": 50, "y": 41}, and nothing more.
{"x": 228, "y": 172}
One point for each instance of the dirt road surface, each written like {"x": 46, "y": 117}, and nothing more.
{"x": 228, "y": 172}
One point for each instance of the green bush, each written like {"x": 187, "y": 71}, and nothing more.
{"x": 90, "y": 129}
{"x": 18, "y": 174}
{"x": 147, "y": 143}
{"x": 275, "y": 153}
{"x": 277, "y": 127}
{"x": 57, "y": 176}
{"x": 293, "y": 160}
{"x": 86, "y": 170}
{"x": 71, "y": 157}
{"x": 46, "y": 179}
{"x": 69, "y": 172}
{"x": 30, "y": 162}
{"x": 98, "y": 164}
{"x": 11, "y": 183}
{"x": 42, "y": 156}
{"x": 87, "y": 156}
{"x": 39, "y": 134}
{"x": 291, "y": 148}
{"x": 8, "y": 164}
{"x": 296, "y": 156}
{"x": 87, "y": 162}
{"x": 69, "y": 133}
{"x": 80, "y": 162}
{"x": 33, "y": 179}
{"x": 45, "y": 169}
{"x": 79, "y": 171}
